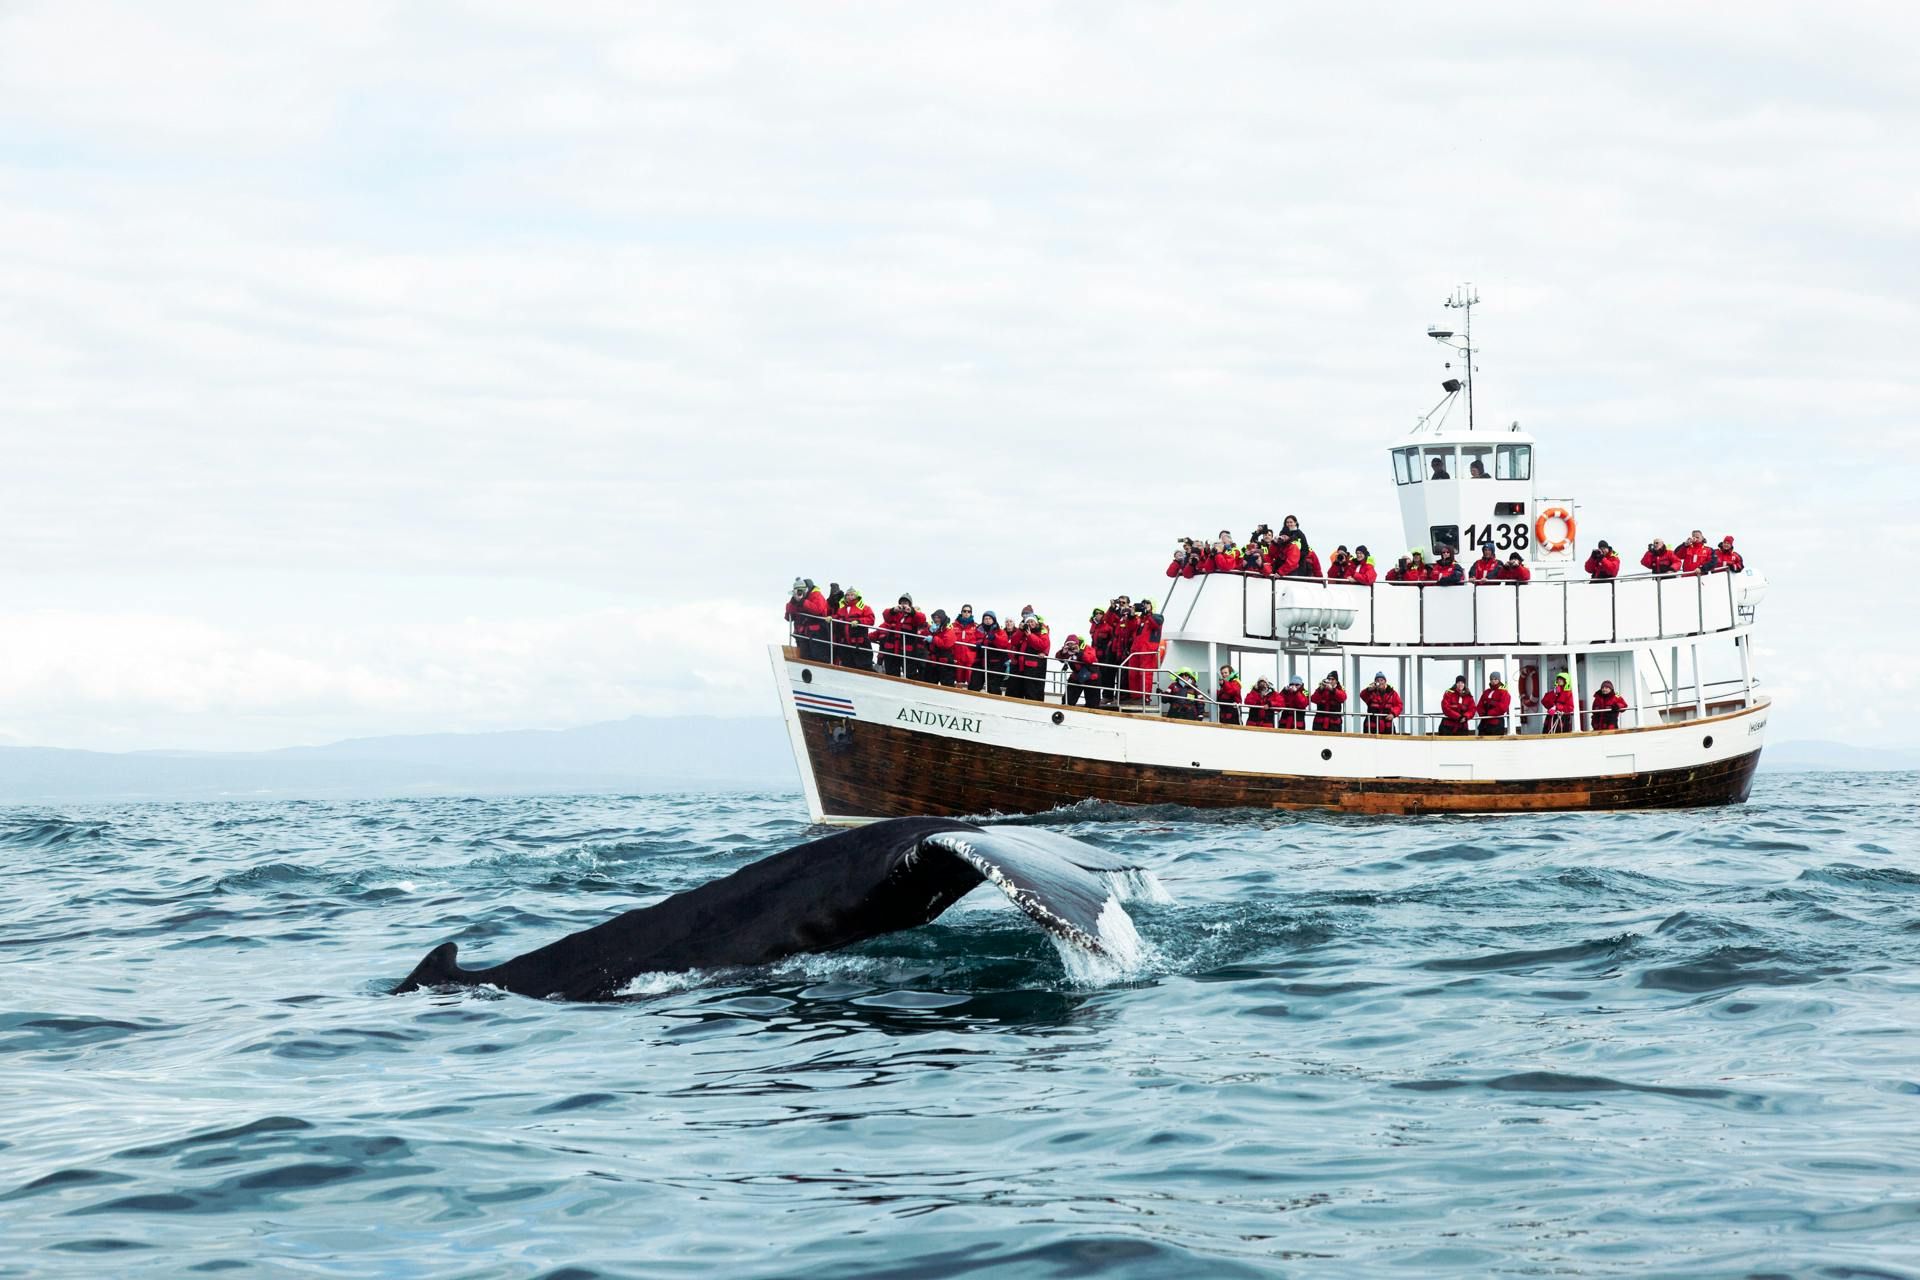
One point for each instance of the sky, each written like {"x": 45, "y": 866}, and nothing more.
{"x": 380, "y": 368}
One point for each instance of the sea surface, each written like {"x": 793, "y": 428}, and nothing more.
{"x": 1590, "y": 1045}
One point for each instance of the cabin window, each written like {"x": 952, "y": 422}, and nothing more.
{"x": 1406, "y": 466}
{"x": 1478, "y": 461}
{"x": 1439, "y": 462}
{"x": 1514, "y": 462}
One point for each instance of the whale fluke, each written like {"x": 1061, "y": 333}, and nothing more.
{"x": 820, "y": 896}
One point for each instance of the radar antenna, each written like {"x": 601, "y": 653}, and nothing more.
{"x": 1463, "y": 300}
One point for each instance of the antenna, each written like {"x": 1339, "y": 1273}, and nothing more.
{"x": 1463, "y": 300}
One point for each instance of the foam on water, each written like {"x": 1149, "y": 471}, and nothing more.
{"x": 1554, "y": 1044}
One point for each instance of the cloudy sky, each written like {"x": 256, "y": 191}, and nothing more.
{"x": 374, "y": 368}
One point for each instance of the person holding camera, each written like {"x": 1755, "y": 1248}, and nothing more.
{"x": 1603, "y": 562}
{"x": 1383, "y": 705}
{"x": 807, "y": 618}
{"x": 1082, "y": 670}
{"x": 1659, "y": 558}
{"x": 1260, "y": 704}
{"x": 1329, "y": 704}
{"x": 1694, "y": 555}
{"x": 1143, "y": 658}
{"x": 1516, "y": 569}
{"x": 941, "y": 664}
{"x": 899, "y": 626}
{"x": 996, "y": 655}
{"x": 1031, "y": 645}
{"x": 1292, "y": 703}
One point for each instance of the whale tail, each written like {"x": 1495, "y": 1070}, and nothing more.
{"x": 1071, "y": 890}
{"x": 439, "y": 969}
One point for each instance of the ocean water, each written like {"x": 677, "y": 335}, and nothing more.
{"x": 1625, "y": 1044}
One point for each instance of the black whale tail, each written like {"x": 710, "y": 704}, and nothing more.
{"x": 439, "y": 969}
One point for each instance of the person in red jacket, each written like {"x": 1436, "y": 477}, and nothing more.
{"x": 1725, "y": 557}
{"x": 1292, "y": 702}
{"x": 1083, "y": 672}
{"x": 1660, "y": 558}
{"x": 899, "y": 626}
{"x": 1383, "y": 704}
{"x": 943, "y": 665}
{"x": 1694, "y": 554}
{"x": 1329, "y": 704}
{"x": 966, "y": 649}
{"x": 996, "y": 654}
{"x": 1031, "y": 644}
{"x": 1227, "y": 696}
{"x": 1559, "y": 706}
{"x": 1260, "y": 704}
{"x": 1284, "y": 557}
{"x": 852, "y": 636}
{"x": 1401, "y": 568}
{"x": 1603, "y": 562}
{"x": 1456, "y": 709}
{"x": 807, "y": 618}
{"x": 1188, "y": 560}
{"x": 1418, "y": 570}
{"x": 1516, "y": 569}
{"x": 1446, "y": 571}
{"x": 1604, "y": 708}
{"x": 1494, "y": 705}
{"x": 1121, "y": 624}
{"x": 1487, "y": 567}
{"x": 1144, "y": 657}
{"x": 1340, "y": 567}
{"x": 1365, "y": 573}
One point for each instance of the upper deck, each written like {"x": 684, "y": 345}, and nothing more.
{"x": 1555, "y": 614}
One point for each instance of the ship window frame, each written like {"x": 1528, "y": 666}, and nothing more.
{"x": 1429, "y": 452}
{"x": 1484, "y": 452}
{"x": 1513, "y": 462}
{"x": 1406, "y": 465}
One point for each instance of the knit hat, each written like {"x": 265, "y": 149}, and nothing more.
{"x": 1297, "y": 680}
{"x": 1493, "y": 677}
{"x": 1727, "y": 541}
{"x": 1362, "y": 551}
{"x": 905, "y": 598}
{"x": 1379, "y": 675}
{"x": 1073, "y": 639}
{"x": 799, "y": 584}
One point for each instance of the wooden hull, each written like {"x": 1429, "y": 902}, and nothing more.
{"x": 876, "y": 770}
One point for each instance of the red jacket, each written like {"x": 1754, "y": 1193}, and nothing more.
{"x": 1284, "y": 560}
{"x": 1178, "y": 568}
{"x": 895, "y": 625}
{"x": 1079, "y": 664}
{"x": 1603, "y": 566}
{"x": 1693, "y": 556}
{"x": 1494, "y": 704}
{"x": 1364, "y": 573}
{"x": 1311, "y": 564}
{"x": 967, "y": 638}
{"x": 1516, "y": 573}
{"x": 1227, "y": 695}
{"x": 1604, "y": 710}
{"x": 1260, "y": 708}
{"x": 1293, "y": 700}
{"x": 1328, "y": 705}
{"x": 1731, "y": 561}
{"x": 808, "y": 614}
{"x": 1381, "y": 702}
{"x": 1229, "y": 561}
{"x": 1146, "y": 634}
{"x": 1660, "y": 561}
{"x": 1456, "y": 707}
{"x": 1557, "y": 702}
{"x": 1030, "y": 650}
{"x": 1485, "y": 569}
{"x": 851, "y": 622}
{"x": 1340, "y": 570}
{"x": 997, "y": 645}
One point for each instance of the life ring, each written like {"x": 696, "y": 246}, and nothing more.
{"x": 1529, "y": 687}
{"x": 1552, "y": 545}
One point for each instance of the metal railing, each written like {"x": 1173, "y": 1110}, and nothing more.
{"x": 1631, "y": 609}
{"x": 1113, "y": 688}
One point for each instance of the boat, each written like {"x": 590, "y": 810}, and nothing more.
{"x": 1677, "y": 646}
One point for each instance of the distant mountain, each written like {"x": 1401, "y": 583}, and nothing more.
{"x": 1838, "y": 757}
{"x": 640, "y": 754}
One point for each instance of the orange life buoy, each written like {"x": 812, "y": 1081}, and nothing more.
{"x": 1565, "y": 517}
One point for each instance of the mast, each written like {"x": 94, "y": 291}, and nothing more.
{"x": 1463, "y": 300}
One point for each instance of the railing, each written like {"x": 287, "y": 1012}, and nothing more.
{"x": 1640, "y": 607}
{"x": 1110, "y": 691}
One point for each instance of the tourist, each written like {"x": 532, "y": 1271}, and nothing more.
{"x": 1604, "y": 708}
{"x": 996, "y": 654}
{"x": 1260, "y": 704}
{"x": 1329, "y": 704}
{"x": 1082, "y": 672}
{"x": 1660, "y": 558}
{"x": 1143, "y": 657}
{"x": 1725, "y": 557}
{"x": 1494, "y": 705}
{"x": 1603, "y": 562}
{"x": 1365, "y": 574}
{"x": 1516, "y": 569}
{"x": 807, "y": 618}
{"x": 1447, "y": 571}
{"x": 943, "y": 664}
{"x": 1184, "y": 701}
{"x": 1559, "y": 705}
{"x": 1292, "y": 702}
{"x": 852, "y": 634}
{"x": 896, "y": 626}
{"x": 1487, "y": 567}
{"x": 1340, "y": 568}
{"x": 1456, "y": 709}
{"x": 1031, "y": 644}
{"x": 1694, "y": 555}
{"x": 1383, "y": 705}
{"x": 1227, "y": 695}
